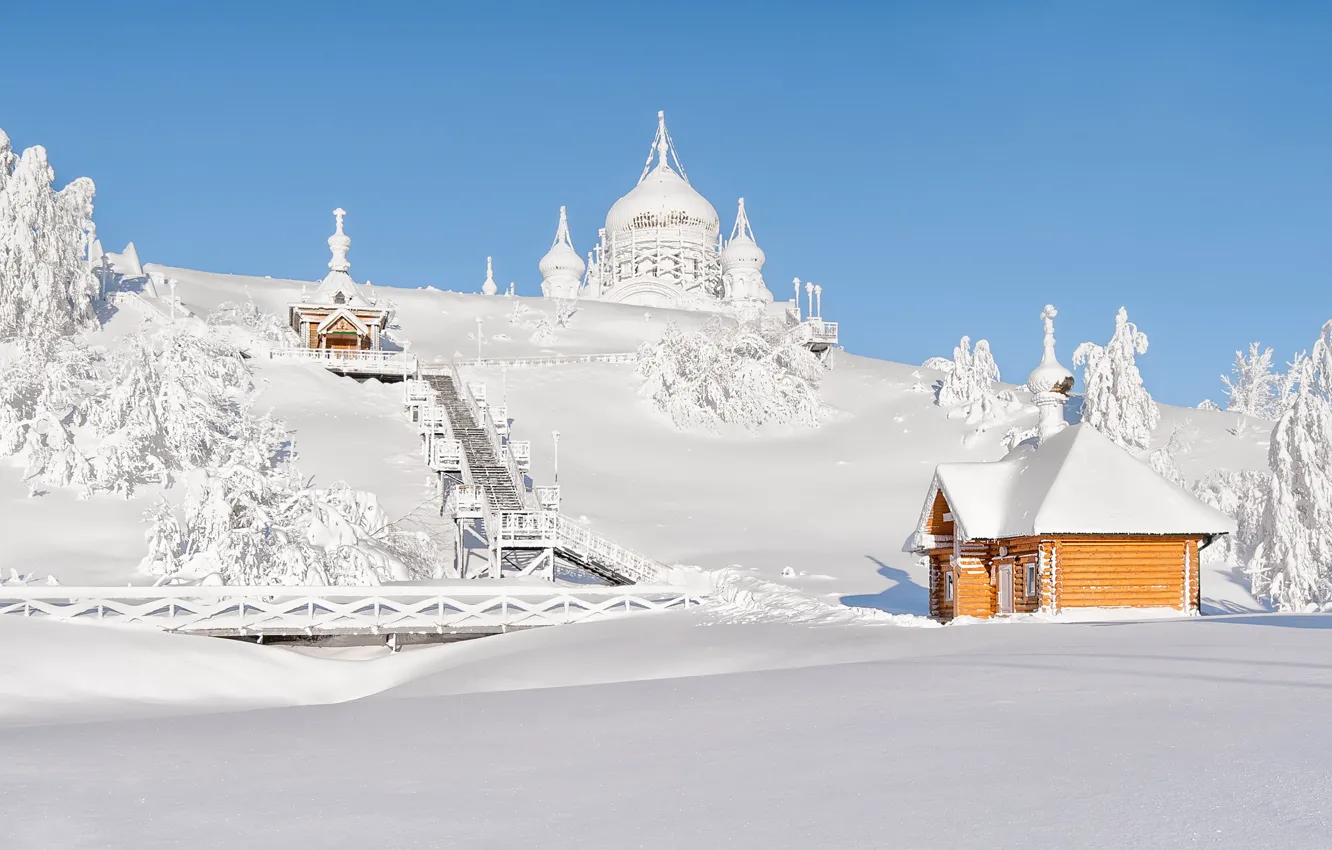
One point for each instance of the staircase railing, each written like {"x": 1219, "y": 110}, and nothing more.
{"x": 559, "y": 531}
{"x": 592, "y": 546}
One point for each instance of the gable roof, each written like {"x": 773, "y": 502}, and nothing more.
{"x": 342, "y": 313}
{"x": 1076, "y": 482}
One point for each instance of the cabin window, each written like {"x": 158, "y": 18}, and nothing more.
{"x": 948, "y": 586}
{"x": 1030, "y": 585}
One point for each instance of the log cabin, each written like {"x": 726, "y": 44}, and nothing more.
{"x": 1066, "y": 520}
{"x": 338, "y": 317}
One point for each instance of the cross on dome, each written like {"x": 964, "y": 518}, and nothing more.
{"x": 663, "y": 149}
{"x": 562, "y": 233}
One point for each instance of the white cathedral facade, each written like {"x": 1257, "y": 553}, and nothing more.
{"x": 662, "y": 246}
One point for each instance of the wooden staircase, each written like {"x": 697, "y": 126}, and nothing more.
{"x": 486, "y": 469}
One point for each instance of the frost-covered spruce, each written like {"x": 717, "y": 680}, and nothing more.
{"x": 1293, "y": 564}
{"x": 747, "y": 373}
{"x": 46, "y": 286}
{"x": 1116, "y": 402}
{"x": 972, "y": 376}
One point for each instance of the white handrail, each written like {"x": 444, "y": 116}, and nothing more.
{"x": 546, "y": 360}
{"x": 563, "y": 532}
{"x": 257, "y": 610}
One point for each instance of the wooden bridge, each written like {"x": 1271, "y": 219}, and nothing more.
{"x": 392, "y": 613}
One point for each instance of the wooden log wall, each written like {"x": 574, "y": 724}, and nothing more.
{"x": 1124, "y": 572}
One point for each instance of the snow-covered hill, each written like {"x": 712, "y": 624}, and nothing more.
{"x": 830, "y": 507}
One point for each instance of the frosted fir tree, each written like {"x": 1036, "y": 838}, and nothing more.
{"x": 1208, "y": 404}
{"x": 1255, "y": 391}
{"x": 1116, "y": 403}
{"x": 1292, "y": 566}
{"x": 46, "y": 285}
{"x": 746, "y": 373}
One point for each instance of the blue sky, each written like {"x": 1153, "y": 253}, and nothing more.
{"x": 942, "y": 168}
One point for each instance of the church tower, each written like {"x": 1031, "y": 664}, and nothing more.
{"x": 561, "y": 269}
{"x": 742, "y": 264}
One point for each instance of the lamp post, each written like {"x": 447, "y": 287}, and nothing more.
{"x": 809, "y": 296}
{"x": 556, "y": 436}
{"x": 796, "y": 281}
{"x": 478, "y": 340}
{"x": 818, "y": 301}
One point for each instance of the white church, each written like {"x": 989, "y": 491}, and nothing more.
{"x": 662, "y": 246}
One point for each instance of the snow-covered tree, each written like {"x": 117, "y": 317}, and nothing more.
{"x": 970, "y": 377}
{"x": 1293, "y": 564}
{"x": 747, "y": 373}
{"x": 46, "y": 286}
{"x": 177, "y": 401}
{"x": 249, "y": 316}
{"x": 249, "y": 526}
{"x": 1243, "y": 496}
{"x": 1116, "y": 402}
{"x": 1253, "y": 390}
{"x": 1208, "y": 404}
{"x": 1162, "y": 461}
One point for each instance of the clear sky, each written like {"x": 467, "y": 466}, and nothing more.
{"x": 942, "y": 168}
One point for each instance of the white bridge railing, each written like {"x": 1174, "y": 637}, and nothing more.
{"x": 373, "y": 362}
{"x": 547, "y": 360}
{"x": 312, "y": 611}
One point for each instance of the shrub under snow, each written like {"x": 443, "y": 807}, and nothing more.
{"x": 746, "y": 373}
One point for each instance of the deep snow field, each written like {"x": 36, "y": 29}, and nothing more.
{"x": 808, "y": 718}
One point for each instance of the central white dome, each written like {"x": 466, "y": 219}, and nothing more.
{"x": 662, "y": 199}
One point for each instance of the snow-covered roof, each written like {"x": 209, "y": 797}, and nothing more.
{"x": 339, "y": 281}
{"x": 1075, "y": 482}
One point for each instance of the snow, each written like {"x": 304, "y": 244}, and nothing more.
{"x": 1178, "y": 733}
{"x": 1076, "y": 482}
{"x": 808, "y": 704}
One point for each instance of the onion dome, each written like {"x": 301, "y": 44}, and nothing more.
{"x": 742, "y": 251}
{"x": 488, "y": 287}
{"x": 662, "y": 198}
{"x": 562, "y": 260}
{"x": 1050, "y": 375}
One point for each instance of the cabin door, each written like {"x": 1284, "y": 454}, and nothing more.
{"x": 1006, "y": 588}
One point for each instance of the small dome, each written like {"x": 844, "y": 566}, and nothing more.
{"x": 743, "y": 253}
{"x": 562, "y": 259}
{"x": 1050, "y": 375}
{"x": 662, "y": 199}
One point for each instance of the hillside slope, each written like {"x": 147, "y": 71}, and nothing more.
{"x": 833, "y": 504}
